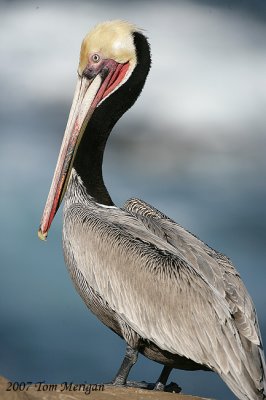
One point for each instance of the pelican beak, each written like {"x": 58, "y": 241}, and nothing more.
{"x": 88, "y": 95}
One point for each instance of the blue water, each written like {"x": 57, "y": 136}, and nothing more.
{"x": 209, "y": 178}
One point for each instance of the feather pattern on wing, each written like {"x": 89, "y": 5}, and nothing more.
{"x": 167, "y": 285}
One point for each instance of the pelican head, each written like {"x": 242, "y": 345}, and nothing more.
{"x": 108, "y": 58}
{"x": 112, "y": 40}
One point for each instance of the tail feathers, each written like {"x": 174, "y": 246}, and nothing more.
{"x": 242, "y": 392}
{"x": 263, "y": 382}
{"x": 243, "y": 386}
{"x": 250, "y": 382}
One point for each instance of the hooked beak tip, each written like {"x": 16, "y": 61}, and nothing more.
{"x": 42, "y": 235}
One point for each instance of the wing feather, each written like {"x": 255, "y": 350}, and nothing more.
{"x": 216, "y": 267}
{"x": 170, "y": 288}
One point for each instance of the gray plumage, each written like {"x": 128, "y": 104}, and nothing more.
{"x": 164, "y": 291}
{"x": 168, "y": 294}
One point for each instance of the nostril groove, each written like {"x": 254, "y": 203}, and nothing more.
{"x": 89, "y": 73}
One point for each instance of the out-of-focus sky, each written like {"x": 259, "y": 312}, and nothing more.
{"x": 193, "y": 145}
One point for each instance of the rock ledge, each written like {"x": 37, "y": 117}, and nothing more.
{"x": 77, "y": 392}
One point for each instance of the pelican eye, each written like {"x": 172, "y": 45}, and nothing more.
{"x": 95, "y": 58}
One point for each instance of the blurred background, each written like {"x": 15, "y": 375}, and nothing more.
{"x": 193, "y": 146}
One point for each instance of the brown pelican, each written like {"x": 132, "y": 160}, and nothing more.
{"x": 169, "y": 295}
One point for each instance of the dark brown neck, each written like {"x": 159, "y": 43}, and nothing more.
{"x": 89, "y": 157}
